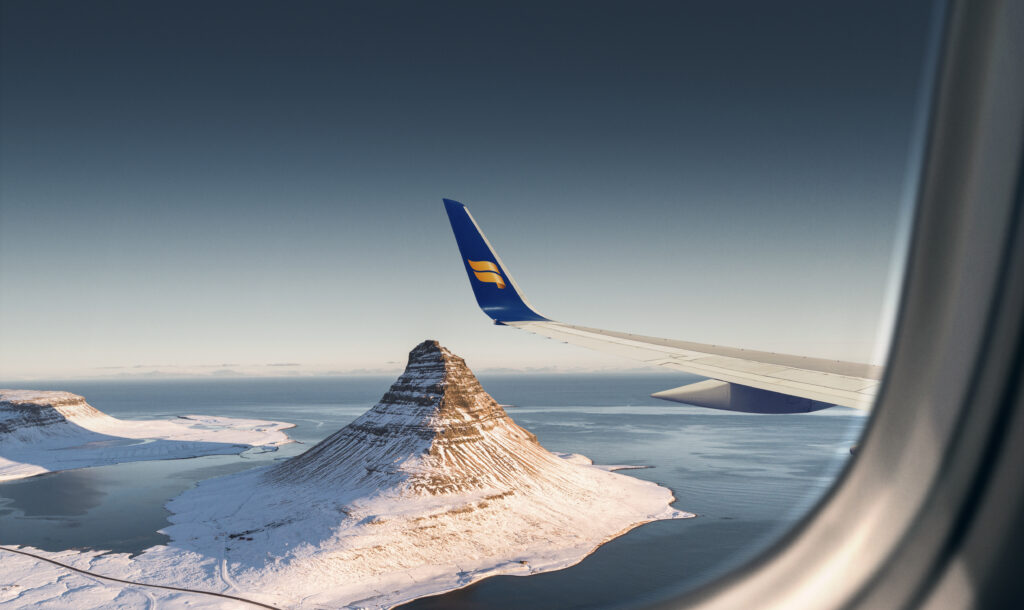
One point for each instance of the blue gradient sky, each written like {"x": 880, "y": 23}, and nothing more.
{"x": 194, "y": 187}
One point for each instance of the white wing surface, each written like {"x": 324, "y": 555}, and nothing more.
{"x": 829, "y": 381}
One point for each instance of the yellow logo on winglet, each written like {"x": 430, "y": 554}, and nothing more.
{"x": 487, "y": 272}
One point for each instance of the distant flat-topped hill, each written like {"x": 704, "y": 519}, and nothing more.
{"x": 42, "y": 431}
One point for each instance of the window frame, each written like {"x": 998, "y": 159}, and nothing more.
{"x": 928, "y": 512}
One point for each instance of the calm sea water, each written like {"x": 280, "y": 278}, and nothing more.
{"x": 748, "y": 477}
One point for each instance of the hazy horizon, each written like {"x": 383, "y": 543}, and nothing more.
{"x": 145, "y": 373}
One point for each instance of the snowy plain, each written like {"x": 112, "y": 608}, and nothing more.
{"x": 369, "y": 561}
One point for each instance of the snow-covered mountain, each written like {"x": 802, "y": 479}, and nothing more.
{"x": 435, "y": 432}
{"x": 433, "y": 488}
{"x": 42, "y": 431}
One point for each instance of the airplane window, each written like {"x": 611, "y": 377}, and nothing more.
{"x": 223, "y": 227}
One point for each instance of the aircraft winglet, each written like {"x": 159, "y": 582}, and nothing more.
{"x": 495, "y": 290}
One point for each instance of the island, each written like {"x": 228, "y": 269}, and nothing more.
{"x": 432, "y": 489}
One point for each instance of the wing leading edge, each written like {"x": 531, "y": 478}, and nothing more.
{"x": 739, "y": 380}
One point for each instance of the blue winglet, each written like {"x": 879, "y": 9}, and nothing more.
{"x": 495, "y": 291}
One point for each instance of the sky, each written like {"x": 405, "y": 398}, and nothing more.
{"x": 224, "y": 188}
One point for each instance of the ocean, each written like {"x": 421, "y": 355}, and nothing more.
{"x": 749, "y": 478}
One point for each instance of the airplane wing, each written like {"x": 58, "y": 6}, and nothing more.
{"x": 738, "y": 379}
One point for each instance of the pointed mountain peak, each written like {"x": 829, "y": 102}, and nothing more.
{"x": 440, "y": 382}
{"x": 432, "y": 356}
{"x": 430, "y": 348}
{"x": 435, "y": 430}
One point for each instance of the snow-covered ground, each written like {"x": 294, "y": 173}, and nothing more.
{"x": 291, "y": 548}
{"x": 26, "y": 582}
{"x": 48, "y": 431}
